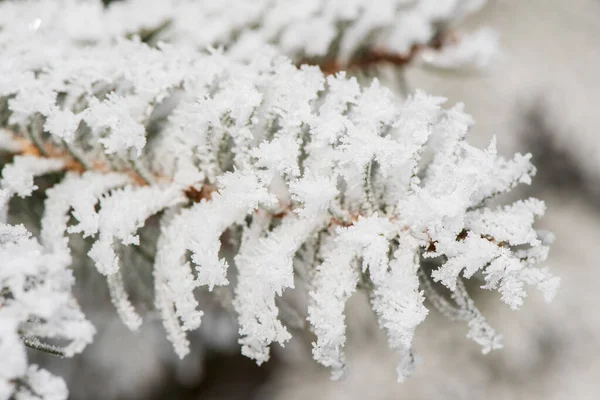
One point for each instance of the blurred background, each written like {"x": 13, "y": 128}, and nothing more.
{"x": 538, "y": 99}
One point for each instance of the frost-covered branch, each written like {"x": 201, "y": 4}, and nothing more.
{"x": 336, "y": 35}
{"x": 283, "y": 159}
{"x": 35, "y": 302}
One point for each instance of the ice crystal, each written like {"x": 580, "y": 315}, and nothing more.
{"x": 283, "y": 160}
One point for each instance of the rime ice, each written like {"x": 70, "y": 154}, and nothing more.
{"x": 288, "y": 161}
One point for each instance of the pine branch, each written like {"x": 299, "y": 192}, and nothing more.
{"x": 194, "y": 195}
{"x": 307, "y": 172}
{"x": 370, "y": 58}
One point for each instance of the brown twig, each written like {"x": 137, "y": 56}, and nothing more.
{"x": 72, "y": 164}
{"x": 431, "y": 248}
{"x": 193, "y": 194}
{"x": 376, "y": 56}
{"x": 204, "y": 193}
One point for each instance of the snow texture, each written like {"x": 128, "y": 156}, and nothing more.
{"x": 281, "y": 157}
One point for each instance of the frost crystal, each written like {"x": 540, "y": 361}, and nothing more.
{"x": 334, "y": 33}
{"x": 254, "y": 174}
{"x": 35, "y": 302}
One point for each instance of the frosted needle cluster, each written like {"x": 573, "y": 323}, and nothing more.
{"x": 319, "y": 183}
